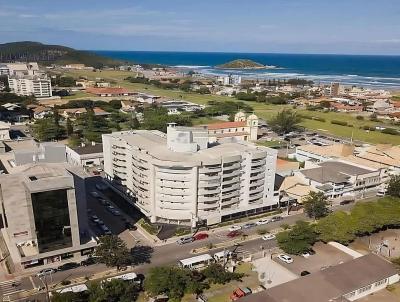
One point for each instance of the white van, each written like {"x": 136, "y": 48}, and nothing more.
{"x": 222, "y": 255}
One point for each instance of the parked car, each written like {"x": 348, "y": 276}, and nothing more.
{"x": 103, "y": 201}
{"x": 46, "y": 271}
{"x": 185, "y": 240}
{"x": 105, "y": 229}
{"x": 285, "y": 258}
{"x": 200, "y": 236}
{"x": 110, "y": 208}
{"x": 240, "y": 292}
{"x": 249, "y": 225}
{"x": 116, "y": 213}
{"x": 263, "y": 221}
{"x": 100, "y": 222}
{"x": 381, "y": 193}
{"x": 233, "y": 234}
{"x": 94, "y": 194}
{"x": 268, "y": 237}
{"x": 88, "y": 261}
{"x": 276, "y": 218}
{"x": 235, "y": 228}
{"x": 68, "y": 266}
{"x": 304, "y": 273}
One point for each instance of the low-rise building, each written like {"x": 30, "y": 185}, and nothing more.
{"x": 316, "y": 153}
{"x": 348, "y": 281}
{"x": 178, "y": 178}
{"x": 338, "y": 178}
{"x": 243, "y": 128}
{"x": 86, "y": 155}
{"x": 4, "y": 131}
{"x": 110, "y": 91}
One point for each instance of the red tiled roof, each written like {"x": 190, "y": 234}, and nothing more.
{"x": 395, "y": 114}
{"x": 226, "y": 125}
{"x": 347, "y": 107}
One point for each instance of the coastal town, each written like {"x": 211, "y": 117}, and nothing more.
{"x": 243, "y": 188}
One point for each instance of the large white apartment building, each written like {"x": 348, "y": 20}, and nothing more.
{"x": 177, "y": 178}
{"x": 30, "y": 85}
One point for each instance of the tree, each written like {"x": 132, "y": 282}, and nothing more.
{"x": 298, "y": 239}
{"x": 46, "y": 130}
{"x": 337, "y": 226}
{"x": 69, "y": 127}
{"x": 113, "y": 291}
{"x": 216, "y": 273}
{"x": 174, "y": 282}
{"x": 70, "y": 297}
{"x": 394, "y": 186}
{"x": 112, "y": 251}
{"x": 285, "y": 121}
{"x": 316, "y": 205}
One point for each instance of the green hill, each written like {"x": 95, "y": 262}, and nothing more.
{"x": 51, "y": 54}
{"x": 241, "y": 64}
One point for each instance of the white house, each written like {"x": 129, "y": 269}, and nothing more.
{"x": 85, "y": 155}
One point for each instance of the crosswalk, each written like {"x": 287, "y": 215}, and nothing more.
{"x": 10, "y": 287}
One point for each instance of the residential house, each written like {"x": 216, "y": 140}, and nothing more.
{"x": 72, "y": 113}
{"x": 86, "y": 155}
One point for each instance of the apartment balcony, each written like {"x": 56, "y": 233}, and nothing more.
{"x": 209, "y": 183}
{"x": 203, "y": 191}
{"x": 231, "y": 181}
{"x": 232, "y": 167}
{"x": 207, "y": 177}
{"x": 206, "y": 206}
{"x": 228, "y": 202}
{"x": 257, "y": 183}
{"x": 255, "y": 196}
{"x": 173, "y": 184}
{"x": 174, "y": 176}
{"x": 202, "y": 198}
{"x": 258, "y": 162}
{"x": 174, "y": 191}
{"x": 232, "y": 174}
{"x": 210, "y": 170}
{"x": 258, "y": 170}
{"x": 254, "y": 189}
{"x": 257, "y": 176}
{"x": 174, "y": 198}
{"x": 231, "y": 194}
{"x": 232, "y": 187}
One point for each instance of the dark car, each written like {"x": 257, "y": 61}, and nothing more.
{"x": 276, "y": 218}
{"x": 304, "y": 273}
{"x": 233, "y": 234}
{"x": 68, "y": 266}
{"x": 88, "y": 261}
{"x": 249, "y": 225}
{"x": 200, "y": 236}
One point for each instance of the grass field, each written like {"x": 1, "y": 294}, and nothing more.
{"x": 264, "y": 111}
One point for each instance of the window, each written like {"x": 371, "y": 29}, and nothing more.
{"x": 380, "y": 282}
{"x": 364, "y": 289}
{"x": 52, "y": 222}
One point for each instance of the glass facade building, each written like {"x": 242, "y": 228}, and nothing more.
{"x": 52, "y": 220}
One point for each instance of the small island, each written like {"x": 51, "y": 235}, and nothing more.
{"x": 244, "y": 64}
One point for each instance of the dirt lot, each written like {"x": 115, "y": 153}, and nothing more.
{"x": 392, "y": 295}
{"x": 385, "y": 243}
{"x": 325, "y": 256}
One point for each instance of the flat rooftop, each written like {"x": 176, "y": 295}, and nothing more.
{"x": 155, "y": 143}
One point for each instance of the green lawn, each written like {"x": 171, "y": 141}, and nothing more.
{"x": 78, "y": 95}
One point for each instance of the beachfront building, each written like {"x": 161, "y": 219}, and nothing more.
{"x": 178, "y": 178}
{"x": 244, "y": 128}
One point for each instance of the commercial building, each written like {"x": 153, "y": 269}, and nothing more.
{"x": 337, "y": 178}
{"x": 243, "y": 127}
{"x": 85, "y": 155}
{"x": 20, "y": 69}
{"x": 348, "y": 281}
{"x": 43, "y": 216}
{"x": 316, "y": 153}
{"x": 335, "y": 89}
{"x": 30, "y": 85}
{"x": 178, "y": 178}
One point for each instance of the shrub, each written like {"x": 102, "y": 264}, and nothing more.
{"x": 341, "y": 123}
{"x": 360, "y": 117}
{"x": 319, "y": 119}
{"x": 182, "y": 231}
{"x": 391, "y": 131}
{"x": 150, "y": 228}
{"x": 285, "y": 226}
{"x": 65, "y": 282}
{"x": 262, "y": 231}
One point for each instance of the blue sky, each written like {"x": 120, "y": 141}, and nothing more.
{"x": 289, "y": 26}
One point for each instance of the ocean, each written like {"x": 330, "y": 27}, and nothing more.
{"x": 361, "y": 70}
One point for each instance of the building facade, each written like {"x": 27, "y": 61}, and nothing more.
{"x": 177, "y": 178}
{"x": 39, "y": 87}
{"x": 39, "y": 213}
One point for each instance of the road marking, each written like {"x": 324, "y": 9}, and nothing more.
{"x": 32, "y": 282}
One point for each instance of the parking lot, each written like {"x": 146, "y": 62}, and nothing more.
{"x": 325, "y": 256}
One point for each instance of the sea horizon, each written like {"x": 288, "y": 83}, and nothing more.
{"x": 378, "y": 71}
